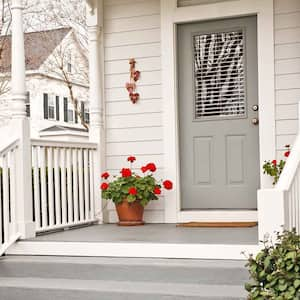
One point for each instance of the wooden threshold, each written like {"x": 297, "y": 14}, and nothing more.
{"x": 218, "y": 224}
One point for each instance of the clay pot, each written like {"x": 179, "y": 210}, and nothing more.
{"x": 130, "y": 214}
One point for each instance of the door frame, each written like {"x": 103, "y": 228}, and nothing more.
{"x": 172, "y": 15}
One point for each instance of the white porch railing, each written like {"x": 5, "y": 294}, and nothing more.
{"x": 8, "y": 173}
{"x": 279, "y": 208}
{"x": 63, "y": 184}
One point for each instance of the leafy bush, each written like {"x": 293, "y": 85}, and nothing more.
{"x": 275, "y": 271}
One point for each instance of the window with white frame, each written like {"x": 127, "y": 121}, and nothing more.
{"x": 51, "y": 108}
{"x": 71, "y": 112}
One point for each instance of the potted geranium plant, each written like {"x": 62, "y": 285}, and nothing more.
{"x": 131, "y": 192}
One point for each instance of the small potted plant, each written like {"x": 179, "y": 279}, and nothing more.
{"x": 274, "y": 168}
{"x": 132, "y": 192}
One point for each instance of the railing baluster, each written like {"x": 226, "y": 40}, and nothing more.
{"x": 69, "y": 187}
{"x": 75, "y": 185}
{"x": 57, "y": 187}
{"x": 12, "y": 163}
{"x": 42, "y": 163}
{"x": 92, "y": 198}
{"x": 86, "y": 184}
{"x": 49, "y": 170}
{"x": 5, "y": 199}
{"x": 80, "y": 182}
{"x": 63, "y": 186}
{"x": 36, "y": 187}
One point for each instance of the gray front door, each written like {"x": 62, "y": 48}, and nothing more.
{"x": 218, "y": 111}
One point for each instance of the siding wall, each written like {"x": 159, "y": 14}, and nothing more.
{"x": 287, "y": 69}
{"x": 132, "y": 30}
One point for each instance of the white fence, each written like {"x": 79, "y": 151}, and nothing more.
{"x": 8, "y": 185}
{"x": 63, "y": 184}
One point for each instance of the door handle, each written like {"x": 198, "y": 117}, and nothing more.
{"x": 255, "y": 121}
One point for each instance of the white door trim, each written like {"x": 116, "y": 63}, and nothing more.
{"x": 172, "y": 15}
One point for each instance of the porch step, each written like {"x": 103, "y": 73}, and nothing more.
{"x": 72, "y": 278}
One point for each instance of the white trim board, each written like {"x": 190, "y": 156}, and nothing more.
{"x": 150, "y": 250}
{"x": 172, "y": 15}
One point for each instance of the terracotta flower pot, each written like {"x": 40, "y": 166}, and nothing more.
{"x": 130, "y": 214}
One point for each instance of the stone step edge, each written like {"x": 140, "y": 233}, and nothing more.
{"x": 126, "y": 287}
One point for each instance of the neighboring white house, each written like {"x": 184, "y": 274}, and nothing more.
{"x": 48, "y": 104}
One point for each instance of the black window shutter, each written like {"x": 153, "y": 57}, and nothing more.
{"x": 82, "y": 111}
{"x": 76, "y": 114}
{"x": 46, "y": 115}
{"x": 65, "y": 109}
{"x": 57, "y": 107}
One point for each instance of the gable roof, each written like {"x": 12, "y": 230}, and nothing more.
{"x": 38, "y": 46}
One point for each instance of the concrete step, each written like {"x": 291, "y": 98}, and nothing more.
{"x": 68, "y": 278}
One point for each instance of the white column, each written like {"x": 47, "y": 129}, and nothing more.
{"x": 21, "y": 124}
{"x": 96, "y": 98}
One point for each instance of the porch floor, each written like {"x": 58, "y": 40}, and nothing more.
{"x": 154, "y": 233}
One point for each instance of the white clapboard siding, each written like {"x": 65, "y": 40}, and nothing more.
{"x": 140, "y": 148}
{"x": 287, "y": 112}
{"x": 136, "y": 37}
{"x": 132, "y": 9}
{"x": 133, "y": 121}
{"x": 287, "y": 66}
{"x": 287, "y": 70}
{"x": 136, "y": 51}
{"x": 122, "y": 66}
{"x": 134, "y": 134}
{"x": 132, "y": 30}
{"x": 121, "y": 94}
{"x": 286, "y": 6}
{"x": 146, "y": 106}
{"x": 130, "y": 24}
{"x": 286, "y": 127}
{"x": 290, "y": 96}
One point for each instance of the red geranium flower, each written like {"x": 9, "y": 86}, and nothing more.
{"x": 131, "y": 159}
{"x": 105, "y": 175}
{"x": 274, "y": 162}
{"x": 132, "y": 191}
{"x": 125, "y": 172}
{"x": 157, "y": 190}
{"x": 151, "y": 167}
{"x": 104, "y": 186}
{"x": 144, "y": 169}
{"x": 168, "y": 185}
{"x": 287, "y": 153}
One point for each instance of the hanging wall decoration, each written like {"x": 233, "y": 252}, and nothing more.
{"x": 131, "y": 85}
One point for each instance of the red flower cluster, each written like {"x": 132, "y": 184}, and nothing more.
{"x": 274, "y": 162}
{"x": 131, "y": 159}
{"x": 126, "y": 172}
{"x": 105, "y": 175}
{"x": 132, "y": 191}
{"x": 149, "y": 167}
{"x": 104, "y": 186}
{"x": 157, "y": 190}
{"x": 168, "y": 185}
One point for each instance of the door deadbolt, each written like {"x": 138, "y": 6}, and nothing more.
{"x": 255, "y": 107}
{"x": 255, "y": 121}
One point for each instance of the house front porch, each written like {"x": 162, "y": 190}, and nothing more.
{"x": 151, "y": 240}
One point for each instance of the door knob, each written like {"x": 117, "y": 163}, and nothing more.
{"x": 255, "y": 107}
{"x": 255, "y": 121}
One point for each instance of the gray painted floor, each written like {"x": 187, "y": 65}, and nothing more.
{"x": 155, "y": 233}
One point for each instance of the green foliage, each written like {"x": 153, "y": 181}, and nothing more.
{"x": 275, "y": 271}
{"x": 118, "y": 189}
{"x": 274, "y": 169}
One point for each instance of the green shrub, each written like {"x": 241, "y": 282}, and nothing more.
{"x": 275, "y": 271}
